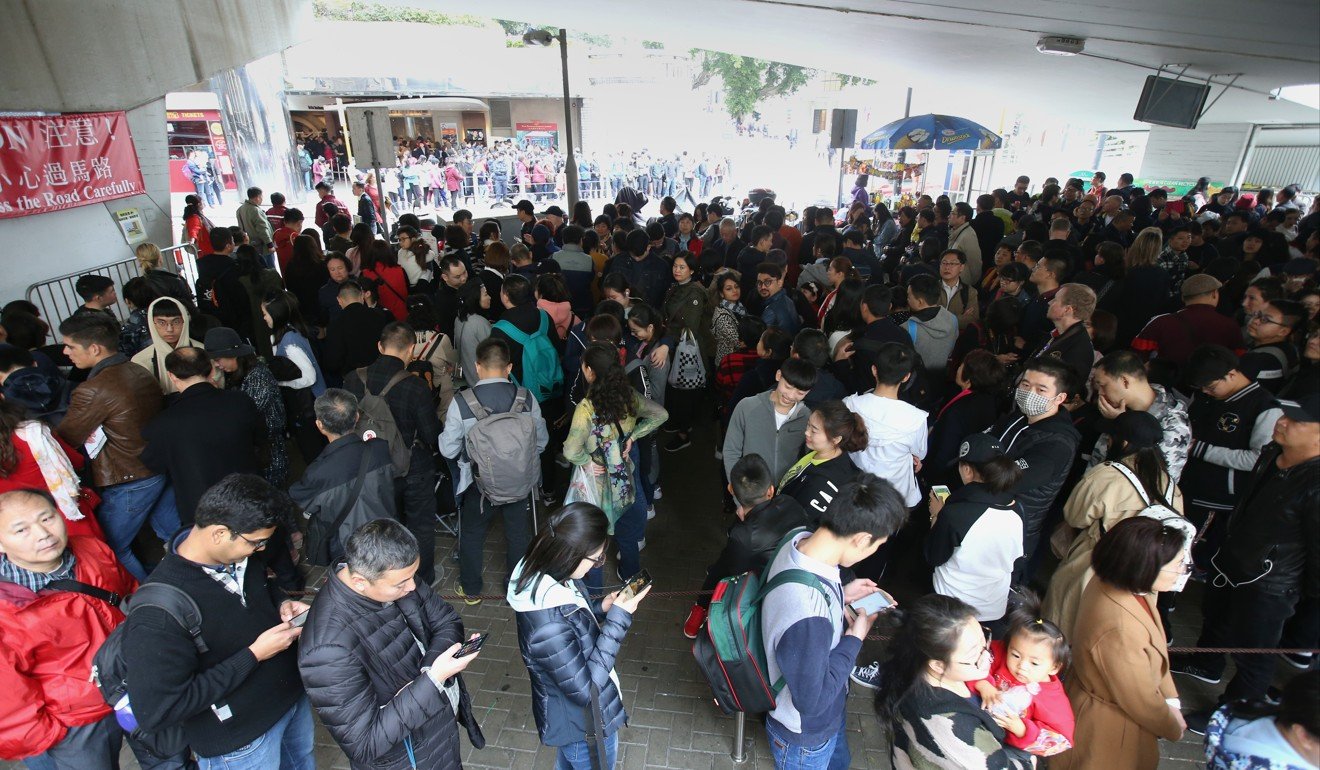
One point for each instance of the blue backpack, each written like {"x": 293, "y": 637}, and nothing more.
{"x": 541, "y": 373}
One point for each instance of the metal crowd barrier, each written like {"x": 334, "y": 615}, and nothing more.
{"x": 57, "y": 298}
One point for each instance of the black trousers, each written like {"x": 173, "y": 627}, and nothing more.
{"x": 418, "y": 492}
{"x": 1246, "y": 617}
{"x": 682, "y": 407}
{"x": 475, "y": 516}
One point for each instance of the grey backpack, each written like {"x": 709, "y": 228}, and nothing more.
{"x": 502, "y": 449}
{"x": 377, "y": 421}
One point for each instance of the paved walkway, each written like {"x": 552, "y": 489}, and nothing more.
{"x": 673, "y": 723}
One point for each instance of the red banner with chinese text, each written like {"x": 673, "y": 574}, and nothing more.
{"x": 58, "y": 162}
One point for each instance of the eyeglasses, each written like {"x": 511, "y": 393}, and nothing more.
{"x": 166, "y": 323}
{"x": 256, "y": 544}
{"x": 766, "y": 283}
{"x": 1260, "y": 316}
{"x": 985, "y": 650}
{"x": 597, "y": 561}
{"x": 1182, "y": 569}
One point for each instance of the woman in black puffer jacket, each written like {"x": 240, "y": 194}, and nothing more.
{"x": 569, "y": 654}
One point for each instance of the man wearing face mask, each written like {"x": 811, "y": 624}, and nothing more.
{"x": 1039, "y": 435}
{"x": 1267, "y": 563}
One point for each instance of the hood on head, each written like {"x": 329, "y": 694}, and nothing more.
{"x": 151, "y": 320}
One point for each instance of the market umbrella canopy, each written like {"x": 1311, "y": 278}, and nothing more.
{"x": 932, "y": 132}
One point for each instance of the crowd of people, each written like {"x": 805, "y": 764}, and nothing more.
{"x": 427, "y": 175}
{"x": 948, "y": 400}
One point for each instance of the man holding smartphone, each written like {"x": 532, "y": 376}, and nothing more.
{"x": 381, "y": 656}
{"x": 809, "y": 639}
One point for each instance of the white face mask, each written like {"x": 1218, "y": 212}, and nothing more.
{"x": 1031, "y": 403}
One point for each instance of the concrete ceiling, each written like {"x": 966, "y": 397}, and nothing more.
{"x": 71, "y": 55}
{"x": 981, "y": 55}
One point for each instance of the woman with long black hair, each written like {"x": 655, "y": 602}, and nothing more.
{"x": 569, "y": 654}
{"x": 602, "y": 442}
{"x": 292, "y": 342}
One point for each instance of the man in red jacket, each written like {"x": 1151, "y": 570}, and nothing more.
{"x": 51, "y": 714}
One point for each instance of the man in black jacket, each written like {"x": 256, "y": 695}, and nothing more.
{"x": 351, "y": 477}
{"x": 204, "y": 434}
{"x": 763, "y": 521}
{"x": 1269, "y": 561}
{"x": 989, "y": 229}
{"x": 1040, "y": 436}
{"x": 413, "y": 408}
{"x": 219, "y": 292}
{"x": 453, "y": 276}
{"x": 378, "y": 657}
{"x": 351, "y": 339}
{"x": 240, "y": 702}
{"x": 1069, "y": 310}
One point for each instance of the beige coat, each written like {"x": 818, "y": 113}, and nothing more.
{"x": 1118, "y": 684}
{"x": 964, "y": 239}
{"x": 1103, "y": 498}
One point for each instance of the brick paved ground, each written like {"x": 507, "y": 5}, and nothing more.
{"x": 672, "y": 721}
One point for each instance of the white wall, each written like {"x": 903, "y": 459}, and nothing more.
{"x": 1213, "y": 150}
{"x": 39, "y": 247}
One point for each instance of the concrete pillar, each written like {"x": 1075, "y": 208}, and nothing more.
{"x": 255, "y": 114}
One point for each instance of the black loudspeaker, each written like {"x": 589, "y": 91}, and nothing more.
{"x": 843, "y": 129}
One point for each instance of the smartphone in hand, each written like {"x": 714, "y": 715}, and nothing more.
{"x": 869, "y": 605}
{"x": 941, "y": 491}
{"x": 471, "y": 646}
{"x": 298, "y": 620}
{"x": 635, "y": 585}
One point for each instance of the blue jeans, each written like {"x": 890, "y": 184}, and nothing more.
{"x": 577, "y": 756}
{"x": 126, "y": 507}
{"x": 830, "y": 755}
{"x": 287, "y": 745}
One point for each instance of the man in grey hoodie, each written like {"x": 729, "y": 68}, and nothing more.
{"x": 933, "y": 329}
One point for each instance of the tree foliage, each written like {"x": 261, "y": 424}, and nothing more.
{"x": 360, "y": 10}
{"x": 748, "y": 82}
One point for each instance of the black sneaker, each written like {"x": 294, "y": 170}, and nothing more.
{"x": 1200, "y": 673}
{"x": 867, "y": 676}
{"x": 678, "y": 443}
{"x": 1197, "y": 721}
{"x": 1299, "y": 660}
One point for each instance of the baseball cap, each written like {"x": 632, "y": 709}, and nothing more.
{"x": 554, "y": 211}
{"x": 1199, "y": 284}
{"x": 1304, "y": 409}
{"x": 979, "y": 448}
{"x": 525, "y": 205}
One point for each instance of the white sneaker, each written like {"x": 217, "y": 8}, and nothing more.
{"x": 650, "y": 512}
{"x": 867, "y": 676}
{"x": 641, "y": 544}
{"x": 719, "y": 454}
{"x": 656, "y": 495}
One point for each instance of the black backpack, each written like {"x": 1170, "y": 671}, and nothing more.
{"x": 110, "y": 672}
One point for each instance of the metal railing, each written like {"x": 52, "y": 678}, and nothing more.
{"x": 57, "y": 297}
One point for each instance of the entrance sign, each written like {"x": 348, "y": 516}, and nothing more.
{"x": 57, "y": 162}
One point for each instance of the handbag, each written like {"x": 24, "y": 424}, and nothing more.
{"x": 320, "y": 533}
{"x": 687, "y": 372}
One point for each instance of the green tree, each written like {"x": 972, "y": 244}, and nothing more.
{"x": 748, "y": 82}
{"x": 358, "y": 10}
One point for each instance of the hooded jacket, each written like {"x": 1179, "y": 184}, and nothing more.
{"x": 569, "y": 657}
{"x": 818, "y": 483}
{"x": 361, "y": 662}
{"x": 1044, "y": 451}
{"x": 933, "y": 330}
{"x": 152, "y": 357}
{"x": 1233, "y": 743}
